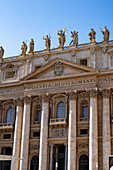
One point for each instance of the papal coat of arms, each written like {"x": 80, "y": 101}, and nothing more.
{"x": 58, "y": 68}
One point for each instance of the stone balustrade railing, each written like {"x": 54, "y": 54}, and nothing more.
{"x": 54, "y": 50}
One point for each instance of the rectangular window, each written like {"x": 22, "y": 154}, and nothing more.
{"x": 10, "y": 74}
{"x": 36, "y": 134}
{"x": 83, "y": 62}
{"x": 83, "y": 131}
{"x": 7, "y": 136}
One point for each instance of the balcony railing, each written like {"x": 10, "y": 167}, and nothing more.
{"x": 36, "y": 123}
{"x": 84, "y": 119}
{"x": 6, "y": 125}
{"x": 58, "y": 121}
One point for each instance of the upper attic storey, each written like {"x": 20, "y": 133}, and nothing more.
{"x": 98, "y": 55}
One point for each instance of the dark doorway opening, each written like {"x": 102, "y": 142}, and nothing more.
{"x": 59, "y": 158}
{"x": 6, "y": 165}
{"x": 35, "y": 163}
{"x": 84, "y": 162}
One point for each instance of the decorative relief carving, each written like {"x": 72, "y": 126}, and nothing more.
{"x": 27, "y": 100}
{"x": 104, "y": 50}
{"x": 83, "y": 145}
{"x": 58, "y": 68}
{"x": 106, "y": 93}
{"x": 59, "y": 133}
{"x": 34, "y": 147}
{"x": 92, "y": 50}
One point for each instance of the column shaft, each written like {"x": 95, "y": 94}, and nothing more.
{"x": 93, "y": 134}
{"x": 44, "y": 135}
{"x": 72, "y": 133}
{"x": 65, "y": 156}
{"x": 106, "y": 131}
{"x": 17, "y": 136}
{"x": 25, "y": 135}
{"x": 51, "y": 156}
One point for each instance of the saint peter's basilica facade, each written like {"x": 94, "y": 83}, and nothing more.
{"x": 56, "y": 106}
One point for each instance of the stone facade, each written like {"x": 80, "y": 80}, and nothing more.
{"x": 56, "y": 108}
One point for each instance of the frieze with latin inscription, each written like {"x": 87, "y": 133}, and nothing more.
{"x": 57, "y": 85}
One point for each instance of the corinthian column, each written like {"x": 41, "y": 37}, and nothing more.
{"x": 17, "y": 136}
{"x": 25, "y": 134}
{"x": 106, "y": 129}
{"x": 72, "y": 132}
{"x": 44, "y": 134}
{"x": 93, "y": 132}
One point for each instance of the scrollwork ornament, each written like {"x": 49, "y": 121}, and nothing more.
{"x": 106, "y": 93}
{"x": 27, "y": 100}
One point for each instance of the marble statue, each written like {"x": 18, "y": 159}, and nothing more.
{"x": 31, "y": 46}
{"x": 24, "y": 48}
{"x": 105, "y": 33}
{"x": 1, "y": 51}
{"x": 75, "y": 38}
{"x": 62, "y": 37}
{"x": 92, "y": 35}
{"x": 47, "y": 42}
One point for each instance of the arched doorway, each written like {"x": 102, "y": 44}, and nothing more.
{"x": 34, "y": 163}
{"x": 84, "y": 162}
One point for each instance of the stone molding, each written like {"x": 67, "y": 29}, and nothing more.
{"x": 27, "y": 99}
{"x": 106, "y": 93}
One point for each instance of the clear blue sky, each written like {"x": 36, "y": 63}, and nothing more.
{"x": 21, "y": 20}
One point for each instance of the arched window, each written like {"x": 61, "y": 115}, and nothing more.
{"x": 34, "y": 163}
{"x": 38, "y": 115}
{"x": 84, "y": 109}
{"x": 84, "y": 162}
{"x": 10, "y": 115}
{"x": 61, "y": 110}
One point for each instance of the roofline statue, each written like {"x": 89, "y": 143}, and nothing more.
{"x": 62, "y": 38}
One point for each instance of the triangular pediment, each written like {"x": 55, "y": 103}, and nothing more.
{"x": 59, "y": 68}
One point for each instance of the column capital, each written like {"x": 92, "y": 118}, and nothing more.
{"x": 27, "y": 99}
{"x": 18, "y": 102}
{"x": 72, "y": 95}
{"x": 45, "y": 98}
{"x": 93, "y": 92}
{"x": 106, "y": 93}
